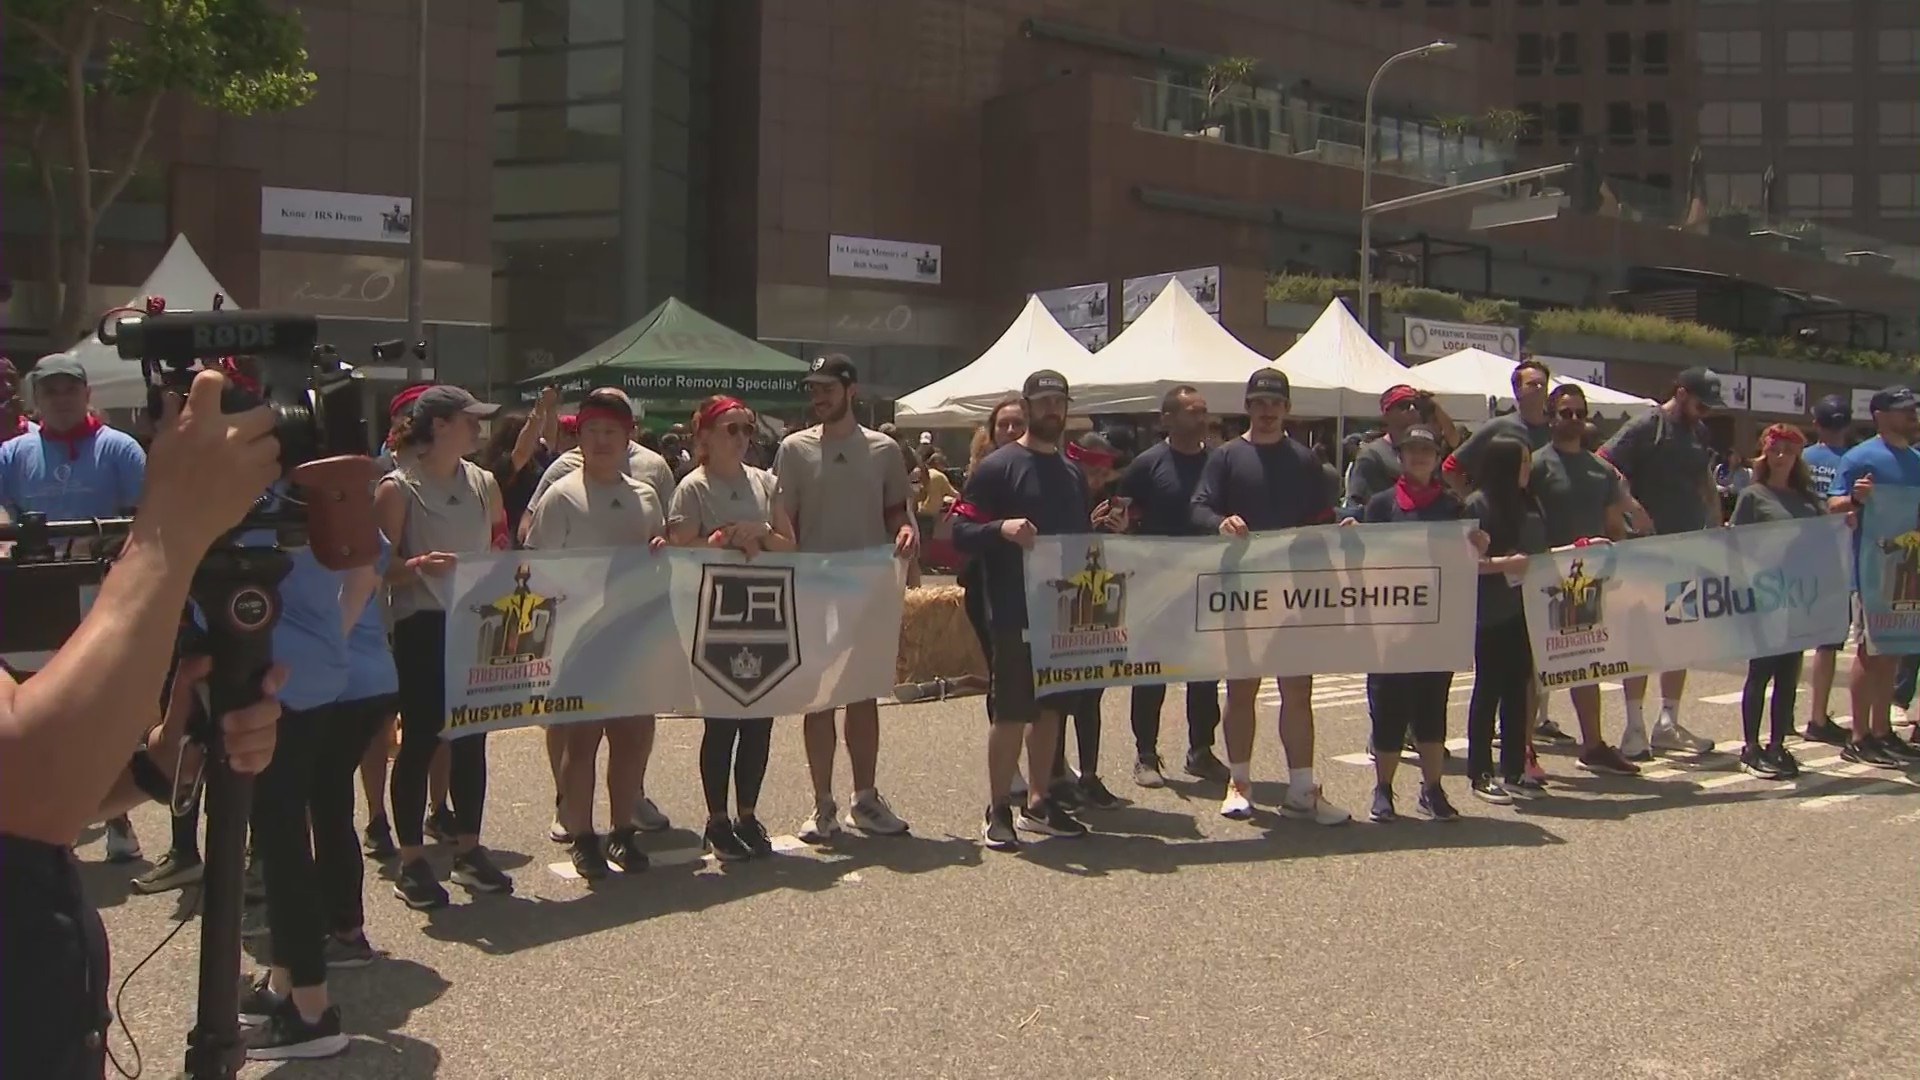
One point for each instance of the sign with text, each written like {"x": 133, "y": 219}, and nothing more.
{"x": 1889, "y": 559}
{"x": 887, "y": 260}
{"x": 372, "y": 287}
{"x": 336, "y": 215}
{"x": 1080, "y": 309}
{"x": 679, "y": 385}
{"x": 1118, "y": 610}
{"x": 1202, "y": 283}
{"x": 1429, "y": 337}
{"x": 1777, "y": 396}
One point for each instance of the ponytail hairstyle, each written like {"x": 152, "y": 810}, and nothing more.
{"x": 402, "y": 431}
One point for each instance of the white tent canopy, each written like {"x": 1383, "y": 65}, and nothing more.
{"x": 964, "y": 398}
{"x": 1173, "y": 343}
{"x": 1492, "y": 376}
{"x": 185, "y": 282}
{"x": 1335, "y": 354}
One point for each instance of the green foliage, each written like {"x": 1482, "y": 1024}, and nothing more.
{"x": 1794, "y": 349}
{"x": 1631, "y": 326}
{"x": 1224, "y": 76}
{"x": 1490, "y": 312}
{"x": 1503, "y": 125}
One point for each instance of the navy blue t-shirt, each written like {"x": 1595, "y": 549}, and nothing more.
{"x": 1161, "y": 483}
{"x": 1271, "y": 486}
{"x": 1015, "y": 482}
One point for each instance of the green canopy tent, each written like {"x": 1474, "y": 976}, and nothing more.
{"x": 677, "y": 354}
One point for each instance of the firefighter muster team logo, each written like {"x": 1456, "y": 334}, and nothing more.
{"x": 745, "y": 636}
{"x": 1091, "y": 607}
{"x": 515, "y": 641}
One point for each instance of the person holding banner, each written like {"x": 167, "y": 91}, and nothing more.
{"x": 1096, "y": 457}
{"x": 1261, "y": 481}
{"x": 1887, "y": 460}
{"x": 1832, "y": 419}
{"x": 1511, "y": 520}
{"x": 1412, "y": 703}
{"x": 435, "y": 507}
{"x": 600, "y": 506}
{"x": 1025, "y": 489}
{"x": 845, "y": 487}
{"x": 726, "y": 503}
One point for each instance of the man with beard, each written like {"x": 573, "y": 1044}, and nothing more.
{"x": 846, "y": 488}
{"x": 1528, "y": 422}
{"x": 1023, "y": 490}
{"x": 1668, "y": 465}
{"x": 1263, "y": 481}
{"x": 1159, "y": 488}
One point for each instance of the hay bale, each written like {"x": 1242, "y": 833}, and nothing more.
{"x": 936, "y": 640}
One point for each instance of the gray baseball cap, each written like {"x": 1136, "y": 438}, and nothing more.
{"x": 58, "y": 365}
{"x": 444, "y": 401}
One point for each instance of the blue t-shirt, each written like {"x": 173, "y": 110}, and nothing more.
{"x": 102, "y": 475}
{"x": 1888, "y": 466}
{"x": 1823, "y": 464}
{"x": 370, "y": 670}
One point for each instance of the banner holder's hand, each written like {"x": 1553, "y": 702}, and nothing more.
{"x": 1018, "y": 532}
{"x": 906, "y": 542}
{"x": 1233, "y": 525}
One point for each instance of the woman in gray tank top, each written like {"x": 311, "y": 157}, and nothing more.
{"x": 726, "y": 503}
{"x": 435, "y": 507}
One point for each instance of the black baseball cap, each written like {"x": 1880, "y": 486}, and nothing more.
{"x": 1417, "y": 434}
{"x": 1044, "y": 382}
{"x": 444, "y": 401}
{"x": 826, "y": 370}
{"x": 1833, "y": 412}
{"x": 1702, "y": 384}
{"x": 1893, "y": 398}
{"x": 1269, "y": 383}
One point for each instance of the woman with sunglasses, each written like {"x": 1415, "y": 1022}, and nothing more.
{"x": 726, "y": 503}
{"x": 1781, "y": 489}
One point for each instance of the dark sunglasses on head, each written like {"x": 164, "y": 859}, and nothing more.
{"x": 1573, "y": 414}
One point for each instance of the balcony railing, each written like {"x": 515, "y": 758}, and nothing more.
{"x": 1416, "y": 149}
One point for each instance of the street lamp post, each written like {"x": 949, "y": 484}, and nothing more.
{"x": 1366, "y": 172}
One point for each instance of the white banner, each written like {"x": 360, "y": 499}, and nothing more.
{"x": 1116, "y": 610}
{"x": 1669, "y": 603}
{"x": 1591, "y": 372}
{"x": 336, "y": 215}
{"x": 1427, "y": 337}
{"x": 1777, "y": 396}
{"x": 1863, "y": 403}
{"x": 1202, "y": 283}
{"x": 886, "y": 260}
{"x": 553, "y": 637}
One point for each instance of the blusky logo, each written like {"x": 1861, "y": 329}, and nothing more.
{"x": 1718, "y": 597}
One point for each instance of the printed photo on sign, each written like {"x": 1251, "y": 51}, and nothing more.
{"x": 1889, "y": 559}
{"x": 745, "y": 640}
{"x": 512, "y": 659}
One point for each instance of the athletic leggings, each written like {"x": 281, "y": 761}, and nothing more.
{"x": 1502, "y": 664}
{"x": 1203, "y": 717}
{"x": 1784, "y": 672}
{"x": 1410, "y": 701}
{"x": 1084, "y": 710}
{"x": 336, "y": 848}
{"x": 281, "y": 842}
{"x": 419, "y": 652}
{"x": 754, "y": 739}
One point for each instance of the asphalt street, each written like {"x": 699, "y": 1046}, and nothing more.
{"x": 1695, "y": 923}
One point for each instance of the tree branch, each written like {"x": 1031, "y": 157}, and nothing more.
{"x": 45, "y": 35}
{"x": 148, "y": 111}
{"x": 56, "y": 227}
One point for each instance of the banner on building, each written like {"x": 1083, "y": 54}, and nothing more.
{"x": 1670, "y": 603}
{"x": 1081, "y": 310}
{"x": 1202, "y": 283}
{"x": 336, "y": 215}
{"x": 1889, "y": 556}
{"x": 1862, "y": 401}
{"x": 886, "y": 260}
{"x": 1429, "y": 337}
{"x": 1777, "y": 396}
{"x": 1591, "y": 372}
{"x": 1118, "y": 610}
{"x": 554, "y": 637}
{"x": 1736, "y": 389}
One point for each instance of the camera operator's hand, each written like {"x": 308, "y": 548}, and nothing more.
{"x": 247, "y": 734}
{"x": 207, "y": 467}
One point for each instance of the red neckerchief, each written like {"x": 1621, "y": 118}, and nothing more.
{"x": 73, "y": 438}
{"x": 9, "y": 432}
{"x": 1408, "y": 497}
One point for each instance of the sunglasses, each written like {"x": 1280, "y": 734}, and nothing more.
{"x": 1405, "y": 406}
{"x": 1573, "y": 414}
{"x": 739, "y": 427}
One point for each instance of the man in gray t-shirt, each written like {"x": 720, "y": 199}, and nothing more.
{"x": 846, "y": 488}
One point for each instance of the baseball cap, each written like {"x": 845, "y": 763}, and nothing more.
{"x": 1269, "y": 383}
{"x": 59, "y": 365}
{"x": 831, "y": 369}
{"x": 1417, "y": 434}
{"x": 1044, "y": 382}
{"x": 1833, "y": 412}
{"x": 1702, "y": 384}
{"x": 444, "y": 401}
{"x": 1893, "y": 398}
{"x": 1397, "y": 394}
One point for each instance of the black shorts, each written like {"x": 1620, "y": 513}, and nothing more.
{"x": 1014, "y": 700}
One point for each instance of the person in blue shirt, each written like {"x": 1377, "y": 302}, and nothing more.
{"x": 1887, "y": 460}
{"x": 1832, "y": 419}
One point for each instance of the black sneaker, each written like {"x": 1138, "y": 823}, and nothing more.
{"x": 174, "y": 870}
{"x": 474, "y": 868}
{"x": 1755, "y": 761}
{"x": 348, "y": 953}
{"x": 1435, "y": 804}
{"x": 723, "y": 842}
{"x": 440, "y": 826}
{"x": 1824, "y": 730}
{"x": 257, "y": 1001}
{"x": 1050, "y": 819}
{"x": 1202, "y": 765}
{"x": 1899, "y": 747}
{"x": 1094, "y": 794}
{"x": 1548, "y": 733}
{"x": 1524, "y": 787}
{"x": 623, "y": 850}
{"x": 376, "y": 840}
{"x": 754, "y": 836}
{"x": 1382, "y": 812}
{"x": 417, "y": 886}
{"x": 1869, "y": 752}
{"x": 286, "y": 1036}
{"x": 1064, "y": 792}
{"x": 996, "y": 829}
{"x": 1489, "y": 790}
{"x": 588, "y": 861}
{"x": 1784, "y": 763}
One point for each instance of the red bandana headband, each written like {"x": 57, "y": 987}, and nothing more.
{"x": 1093, "y": 459}
{"x": 596, "y": 411}
{"x": 714, "y": 410}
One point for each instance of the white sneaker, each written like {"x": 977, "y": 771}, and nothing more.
{"x": 650, "y": 818}
{"x": 873, "y": 815}
{"x": 1634, "y": 745}
{"x": 1313, "y": 807}
{"x": 822, "y": 823}
{"x": 1670, "y": 734}
{"x": 1236, "y": 806}
{"x": 122, "y": 844}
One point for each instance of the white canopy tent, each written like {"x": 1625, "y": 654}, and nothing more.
{"x": 1173, "y": 343}
{"x": 1492, "y": 376}
{"x": 185, "y": 282}
{"x": 964, "y": 398}
{"x": 1336, "y": 353}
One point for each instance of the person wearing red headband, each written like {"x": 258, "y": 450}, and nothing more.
{"x": 845, "y": 487}
{"x": 726, "y": 503}
{"x": 642, "y": 464}
{"x": 602, "y": 506}
{"x": 1098, "y": 459}
{"x": 1377, "y": 465}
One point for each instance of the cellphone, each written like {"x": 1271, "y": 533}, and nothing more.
{"x": 1120, "y": 502}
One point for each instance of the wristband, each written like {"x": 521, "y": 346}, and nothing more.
{"x": 148, "y": 778}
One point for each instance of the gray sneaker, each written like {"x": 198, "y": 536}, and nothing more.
{"x": 822, "y": 824}
{"x": 1149, "y": 773}
{"x": 1671, "y": 734}
{"x": 872, "y": 815}
{"x": 649, "y": 818}
{"x": 344, "y": 953}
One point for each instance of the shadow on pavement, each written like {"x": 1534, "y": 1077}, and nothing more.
{"x": 375, "y": 1002}
{"x": 1677, "y": 792}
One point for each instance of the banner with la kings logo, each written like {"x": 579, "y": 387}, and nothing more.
{"x": 563, "y": 636}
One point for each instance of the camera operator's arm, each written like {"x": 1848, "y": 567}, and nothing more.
{"x": 66, "y": 732}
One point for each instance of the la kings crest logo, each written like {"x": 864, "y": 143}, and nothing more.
{"x": 744, "y": 637}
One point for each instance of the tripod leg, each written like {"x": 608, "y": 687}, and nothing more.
{"x": 213, "y": 1047}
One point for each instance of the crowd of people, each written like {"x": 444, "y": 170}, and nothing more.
{"x": 363, "y": 650}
